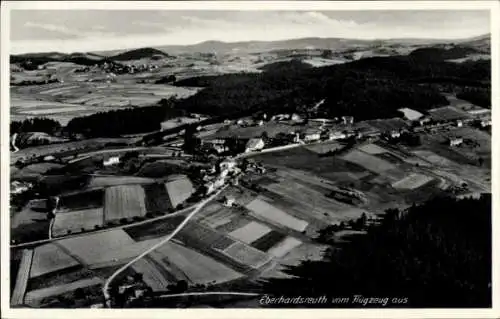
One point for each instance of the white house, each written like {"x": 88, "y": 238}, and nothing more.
{"x": 347, "y": 119}
{"x": 485, "y": 123}
{"x": 229, "y": 201}
{"x": 254, "y": 144}
{"x": 394, "y": 134}
{"x": 456, "y": 141}
{"x": 17, "y": 187}
{"x": 210, "y": 187}
{"x": 295, "y": 117}
{"x": 111, "y": 161}
{"x": 336, "y": 135}
{"x": 459, "y": 123}
{"x": 312, "y": 135}
{"x": 227, "y": 164}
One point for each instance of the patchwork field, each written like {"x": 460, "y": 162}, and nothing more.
{"x": 106, "y": 181}
{"x": 151, "y": 275}
{"x": 35, "y": 296}
{"x": 412, "y": 181}
{"x": 325, "y": 147}
{"x": 50, "y": 258}
{"x": 157, "y": 199}
{"x": 82, "y": 200}
{"x": 250, "y": 232}
{"x": 87, "y": 98}
{"x": 368, "y": 161}
{"x": 179, "y": 190}
{"x": 246, "y": 255}
{"x": 372, "y": 149}
{"x": 267, "y": 211}
{"x": 197, "y": 267}
{"x": 105, "y": 249}
{"x": 267, "y": 241}
{"x": 78, "y": 220}
{"x": 23, "y": 272}
{"x": 124, "y": 201}
{"x": 284, "y": 247}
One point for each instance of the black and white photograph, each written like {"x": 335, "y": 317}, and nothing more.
{"x": 333, "y": 157}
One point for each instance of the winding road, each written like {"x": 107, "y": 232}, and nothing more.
{"x": 199, "y": 206}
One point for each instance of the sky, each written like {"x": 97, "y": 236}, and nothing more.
{"x": 99, "y": 30}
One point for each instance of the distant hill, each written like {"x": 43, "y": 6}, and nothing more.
{"x": 138, "y": 54}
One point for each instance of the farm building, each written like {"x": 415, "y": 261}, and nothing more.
{"x": 410, "y": 114}
{"x": 229, "y": 201}
{"x": 336, "y": 135}
{"x": 227, "y": 164}
{"x": 254, "y": 144}
{"x": 394, "y": 134}
{"x": 17, "y": 187}
{"x": 485, "y": 123}
{"x": 295, "y": 117}
{"x": 347, "y": 120}
{"x": 312, "y": 135}
{"x": 447, "y": 113}
{"x": 111, "y": 161}
{"x": 456, "y": 141}
{"x": 460, "y": 123}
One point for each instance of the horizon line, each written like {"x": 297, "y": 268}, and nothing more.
{"x": 263, "y": 41}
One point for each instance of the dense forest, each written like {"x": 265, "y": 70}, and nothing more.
{"x": 368, "y": 88}
{"x": 44, "y": 125}
{"x": 477, "y": 96}
{"x": 437, "y": 254}
{"x": 126, "y": 121}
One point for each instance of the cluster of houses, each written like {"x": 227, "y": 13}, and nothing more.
{"x": 18, "y": 187}
{"x": 132, "y": 289}
{"x": 218, "y": 176}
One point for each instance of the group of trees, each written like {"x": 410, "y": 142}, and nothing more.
{"x": 477, "y": 96}
{"x": 36, "y": 124}
{"x": 125, "y": 121}
{"x": 437, "y": 254}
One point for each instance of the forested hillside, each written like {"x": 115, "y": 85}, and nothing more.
{"x": 438, "y": 254}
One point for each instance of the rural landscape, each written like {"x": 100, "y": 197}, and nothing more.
{"x": 221, "y": 174}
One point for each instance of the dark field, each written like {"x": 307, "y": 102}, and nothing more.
{"x": 157, "y": 199}
{"x": 267, "y": 241}
{"x": 84, "y": 200}
{"x": 154, "y": 230}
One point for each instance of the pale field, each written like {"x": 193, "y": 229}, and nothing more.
{"x": 267, "y": 211}
{"x": 217, "y": 218}
{"x": 124, "y": 201}
{"x": 76, "y": 220}
{"x": 107, "y": 181}
{"x": 282, "y": 248}
{"x": 250, "y": 232}
{"x": 197, "y": 267}
{"x": 34, "y": 296}
{"x": 151, "y": 275}
{"x": 324, "y": 147}
{"x": 106, "y": 249}
{"x": 246, "y": 255}
{"x": 368, "y": 161}
{"x": 50, "y": 258}
{"x": 412, "y": 181}
{"x": 179, "y": 190}
{"x": 372, "y": 149}
{"x": 434, "y": 158}
{"x": 23, "y": 273}
{"x": 75, "y": 108}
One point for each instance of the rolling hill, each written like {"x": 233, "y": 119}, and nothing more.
{"x": 138, "y": 54}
